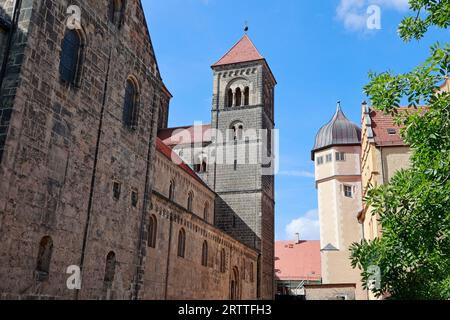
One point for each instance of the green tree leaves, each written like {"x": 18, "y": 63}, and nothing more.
{"x": 413, "y": 253}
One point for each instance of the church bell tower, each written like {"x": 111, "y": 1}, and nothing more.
{"x": 242, "y": 173}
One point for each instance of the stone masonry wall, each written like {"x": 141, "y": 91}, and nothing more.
{"x": 61, "y": 136}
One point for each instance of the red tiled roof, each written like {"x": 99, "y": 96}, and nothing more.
{"x": 186, "y": 135}
{"x": 297, "y": 261}
{"x": 243, "y": 51}
{"x": 383, "y": 123}
{"x": 172, "y": 156}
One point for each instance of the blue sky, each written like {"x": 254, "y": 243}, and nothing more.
{"x": 320, "y": 52}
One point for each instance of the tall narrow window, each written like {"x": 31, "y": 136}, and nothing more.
{"x": 246, "y": 96}
{"x": 152, "y": 229}
{"x": 252, "y": 275}
{"x": 238, "y": 97}
{"x": 348, "y": 191}
{"x": 172, "y": 190}
{"x": 222, "y": 261}
{"x": 110, "y": 270}
{"x": 229, "y": 98}
{"x": 190, "y": 202}
{"x": 204, "y": 166}
{"x": 205, "y": 254}
{"x": 116, "y": 12}
{"x": 181, "y": 243}
{"x": 206, "y": 212}
{"x": 130, "y": 108}
{"x": 70, "y": 57}
{"x": 44, "y": 258}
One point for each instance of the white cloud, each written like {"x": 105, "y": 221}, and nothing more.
{"x": 353, "y": 13}
{"x": 307, "y": 226}
{"x": 297, "y": 173}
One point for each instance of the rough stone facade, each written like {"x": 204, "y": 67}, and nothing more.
{"x": 169, "y": 276}
{"x": 79, "y": 187}
{"x": 246, "y": 202}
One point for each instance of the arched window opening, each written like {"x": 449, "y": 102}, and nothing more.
{"x": 190, "y": 202}
{"x": 229, "y": 98}
{"x": 238, "y": 131}
{"x": 71, "y": 53}
{"x": 181, "y": 243}
{"x": 44, "y": 258}
{"x": 110, "y": 270}
{"x": 152, "y": 229}
{"x": 206, "y": 212}
{"x": 204, "y": 166}
{"x": 172, "y": 190}
{"x": 222, "y": 261}
{"x": 116, "y": 12}
{"x": 238, "y": 97}
{"x": 246, "y": 96}
{"x": 130, "y": 109}
{"x": 235, "y": 284}
{"x": 205, "y": 254}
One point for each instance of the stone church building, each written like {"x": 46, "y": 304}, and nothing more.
{"x": 92, "y": 178}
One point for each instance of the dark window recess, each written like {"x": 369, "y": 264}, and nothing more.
{"x": 181, "y": 243}
{"x": 348, "y": 191}
{"x": 152, "y": 229}
{"x": 222, "y": 261}
{"x": 319, "y": 161}
{"x": 392, "y": 131}
{"x": 116, "y": 12}
{"x": 130, "y": 108}
{"x": 134, "y": 198}
{"x": 44, "y": 259}
{"x": 70, "y": 57}
{"x": 110, "y": 270}
{"x": 205, "y": 254}
{"x": 172, "y": 191}
{"x": 340, "y": 156}
{"x": 116, "y": 190}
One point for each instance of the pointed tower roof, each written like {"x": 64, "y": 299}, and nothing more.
{"x": 243, "y": 51}
{"x": 338, "y": 132}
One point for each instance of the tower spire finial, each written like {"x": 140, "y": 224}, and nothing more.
{"x": 338, "y": 107}
{"x": 246, "y": 27}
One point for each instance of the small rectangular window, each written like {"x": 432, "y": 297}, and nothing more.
{"x": 329, "y": 157}
{"x": 134, "y": 198}
{"x": 348, "y": 191}
{"x": 116, "y": 190}
{"x": 319, "y": 161}
{"x": 340, "y": 156}
{"x": 235, "y": 165}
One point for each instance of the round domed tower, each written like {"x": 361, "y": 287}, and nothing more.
{"x": 336, "y": 154}
{"x": 338, "y": 132}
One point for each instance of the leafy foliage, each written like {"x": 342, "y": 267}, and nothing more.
{"x": 413, "y": 253}
{"x": 427, "y": 13}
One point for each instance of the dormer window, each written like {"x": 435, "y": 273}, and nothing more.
{"x": 392, "y": 131}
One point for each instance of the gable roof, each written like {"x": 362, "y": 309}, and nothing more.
{"x": 297, "y": 260}
{"x": 166, "y": 151}
{"x": 186, "y": 135}
{"x": 243, "y": 51}
{"x": 384, "y": 131}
